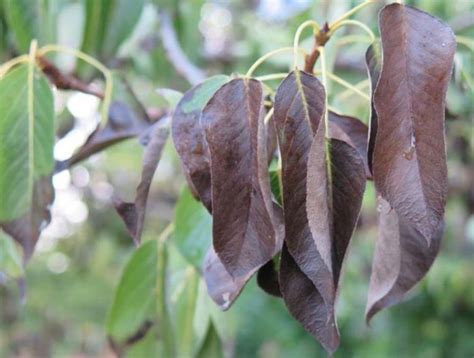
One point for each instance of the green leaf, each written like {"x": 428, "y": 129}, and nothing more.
{"x": 26, "y": 154}
{"x": 212, "y": 345}
{"x": 171, "y": 96}
{"x": 184, "y": 312}
{"x": 10, "y": 258}
{"x": 193, "y": 229}
{"x": 32, "y": 19}
{"x": 134, "y": 301}
{"x": 123, "y": 16}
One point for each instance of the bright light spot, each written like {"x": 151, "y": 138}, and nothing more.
{"x": 83, "y": 105}
{"x": 215, "y": 25}
{"x": 46, "y": 243}
{"x": 58, "y": 263}
{"x": 103, "y": 191}
{"x": 77, "y": 212}
{"x": 62, "y": 180}
{"x": 80, "y": 176}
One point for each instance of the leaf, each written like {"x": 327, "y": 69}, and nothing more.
{"x": 373, "y": 59}
{"x": 409, "y": 160}
{"x": 10, "y": 258}
{"x": 267, "y": 279}
{"x": 127, "y": 119}
{"x": 188, "y": 137}
{"x": 171, "y": 96}
{"x": 212, "y": 345}
{"x": 244, "y": 216}
{"x": 26, "y": 154}
{"x": 193, "y": 229}
{"x": 185, "y": 310}
{"x": 401, "y": 259}
{"x": 135, "y": 297}
{"x": 121, "y": 20}
{"x": 133, "y": 214}
{"x": 306, "y": 304}
{"x": 323, "y": 186}
{"x": 353, "y": 132}
{"x": 31, "y": 19}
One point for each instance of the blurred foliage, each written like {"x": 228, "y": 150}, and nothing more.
{"x": 69, "y": 307}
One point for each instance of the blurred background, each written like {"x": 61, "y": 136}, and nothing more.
{"x": 72, "y": 278}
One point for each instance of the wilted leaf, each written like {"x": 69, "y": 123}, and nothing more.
{"x": 409, "y": 160}
{"x": 353, "y": 132}
{"x": 188, "y": 137}
{"x": 133, "y": 214}
{"x": 193, "y": 229}
{"x": 244, "y": 221}
{"x": 26, "y": 154}
{"x": 373, "y": 59}
{"x": 135, "y": 297}
{"x": 401, "y": 259}
{"x": 306, "y": 304}
{"x": 267, "y": 279}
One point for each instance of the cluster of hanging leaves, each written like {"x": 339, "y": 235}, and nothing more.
{"x": 284, "y": 188}
{"x": 297, "y": 243}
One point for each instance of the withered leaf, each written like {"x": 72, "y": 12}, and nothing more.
{"x": 267, "y": 279}
{"x": 373, "y": 59}
{"x": 409, "y": 159}
{"x": 133, "y": 214}
{"x": 353, "y": 132}
{"x": 188, "y": 137}
{"x": 244, "y": 216}
{"x": 401, "y": 259}
{"x": 306, "y": 304}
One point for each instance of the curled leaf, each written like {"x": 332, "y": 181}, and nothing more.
{"x": 188, "y": 137}
{"x": 401, "y": 259}
{"x": 409, "y": 160}
{"x": 244, "y": 234}
{"x": 267, "y": 279}
{"x": 133, "y": 214}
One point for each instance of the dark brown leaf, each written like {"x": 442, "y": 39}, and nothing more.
{"x": 133, "y": 214}
{"x": 409, "y": 160}
{"x": 306, "y": 304}
{"x": 353, "y": 132}
{"x": 401, "y": 259}
{"x": 373, "y": 59}
{"x": 188, "y": 137}
{"x": 267, "y": 279}
{"x": 27, "y": 229}
{"x": 244, "y": 216}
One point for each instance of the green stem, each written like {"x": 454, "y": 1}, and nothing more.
{"x": 354, "y": 23}
{"x": 351, "y": 12}
{"x": 348, "y": 85}
{"x": 268, "y": 55}
{"x": 466, "y": 42}
{"x": 298, "y": 33}
{"x": 273, "y": 76}
{"x": 13, "y": 62}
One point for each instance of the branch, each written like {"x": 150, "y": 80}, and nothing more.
{"x": 175, "y": 53}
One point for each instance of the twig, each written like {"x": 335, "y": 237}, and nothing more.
{"x": 64, "y": 81}
{"x": 175, "y": 53}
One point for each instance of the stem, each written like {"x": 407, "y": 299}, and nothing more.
{"x": 362, "y": 84}
{"x": 296, "y": 40}
{"x": 348, "y": 85}
{"x": 354, "y": 23}
{"x": 167, "y": 231}
{"x": 13, "y": 62}
{"x": 93, "y": 62}
{"x": 268, "y": 116}
{"x": 466, "y": 42}
{"x": 350, "y": 13}
{"x": 271, "y": 54}
{"x": 31, "y": 117}
{"x": 273, "y": 76}
{"x": 352, "y": 39}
